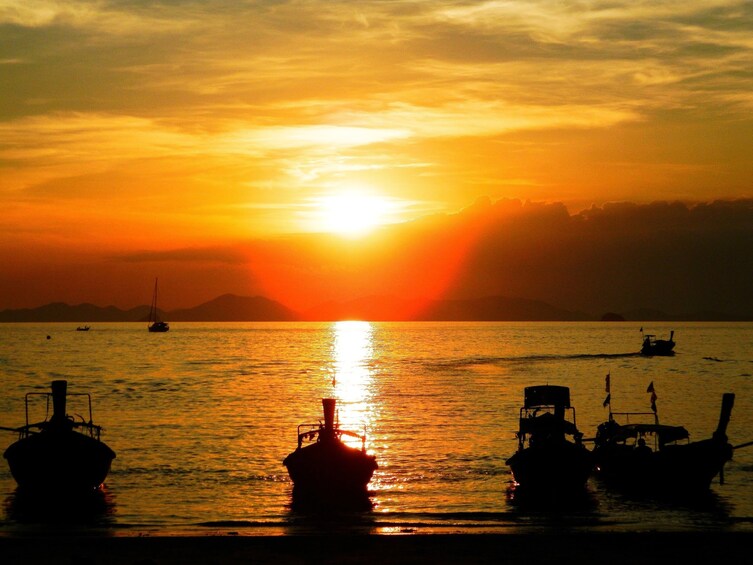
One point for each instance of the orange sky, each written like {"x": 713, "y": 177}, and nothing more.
{"x": 139, "y": 140}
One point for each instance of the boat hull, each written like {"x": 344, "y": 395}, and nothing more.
{"x": 59, "y": 462}
{"x": 673, "y": 469}
{"x": 559, "y": 469}
{"x": 330, "y": 470}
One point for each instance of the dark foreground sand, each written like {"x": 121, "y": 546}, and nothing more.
{"x": 545, "y": 548}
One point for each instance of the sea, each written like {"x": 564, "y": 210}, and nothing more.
{"x": 202, "y": 417}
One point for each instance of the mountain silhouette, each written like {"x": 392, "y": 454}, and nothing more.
{"x": 61, "y": 312}
{"x": 233, "y": 308}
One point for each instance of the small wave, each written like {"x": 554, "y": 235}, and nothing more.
{"x": 238, "y": 524}
{"x": 469, "y": 361}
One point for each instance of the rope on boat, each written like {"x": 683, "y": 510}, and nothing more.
{"x": 746, "y": 444}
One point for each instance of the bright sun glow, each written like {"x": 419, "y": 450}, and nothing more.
{"x": 352, "y": 213}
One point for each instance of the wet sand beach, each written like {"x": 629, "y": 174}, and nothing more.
{"x": 542, "y": 548}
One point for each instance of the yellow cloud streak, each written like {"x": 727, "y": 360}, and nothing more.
{"x": 96, "y": 15}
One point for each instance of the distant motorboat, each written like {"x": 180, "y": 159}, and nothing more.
{"x": 551, "y": 459}
{"x": 155, "y": 324}
{"x": 328, "y": 471}
{"x": 659, "y": 459}
{"x": 59, "y": 455}
{"x": 83, "y": 329}
{"x": 653, "y": 346}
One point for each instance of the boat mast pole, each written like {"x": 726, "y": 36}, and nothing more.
{"x": 153, "y": 311}
{"x": 328, "y": 404}
{"x": 59, "y": 389}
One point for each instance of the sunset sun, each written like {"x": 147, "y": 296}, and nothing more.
{"x": 351, "y": 213}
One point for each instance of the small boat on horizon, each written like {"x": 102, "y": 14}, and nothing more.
{"x": 653, "y": 346}
{"x": 83, "y": 329}
{"x": 328, "y": 472}
{"x": 59, "y": 455}
{"x": 551, "y": 460}
{"x": 654, "y": 458}
{"x": 155, "y": 324}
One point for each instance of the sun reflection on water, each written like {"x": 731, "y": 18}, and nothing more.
{"x": 352, "y": 353}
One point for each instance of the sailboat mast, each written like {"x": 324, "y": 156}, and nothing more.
{"x": 153, "y": 309}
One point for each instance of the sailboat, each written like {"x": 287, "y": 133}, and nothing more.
{"x": 155, "y": 324}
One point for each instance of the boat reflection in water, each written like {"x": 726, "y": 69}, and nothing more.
{"x": 328, "y": 474}
{"x": 69, "y": 509}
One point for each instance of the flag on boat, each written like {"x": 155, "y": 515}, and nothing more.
{"x": 650, "y": 387}
{"x": 607, "y": 400}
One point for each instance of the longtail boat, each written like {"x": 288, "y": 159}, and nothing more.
{"x": 653, "y": 346}
{"x": 655, "y": 458}
{"x": 59, "y": 455}
{"x": 551, "y": 459}
{"x": 328, "y": 470}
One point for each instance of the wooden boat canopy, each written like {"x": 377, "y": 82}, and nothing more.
{"x": 546, "y": 395}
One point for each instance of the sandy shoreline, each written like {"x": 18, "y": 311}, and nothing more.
{"x": 543, "y": 548}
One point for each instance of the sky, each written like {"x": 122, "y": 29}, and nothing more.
{"x": 299, "y": 149}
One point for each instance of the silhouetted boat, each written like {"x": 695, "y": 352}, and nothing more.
{"x": 328, "y": 470}
{"x": 551, "y": 458}
{"x": 59, "y": 455}
{"x": 653, "y": 346}
{"x": 658, "y": 459}
{"x": 155, "y": 324}
{"x": 83, "y": 329}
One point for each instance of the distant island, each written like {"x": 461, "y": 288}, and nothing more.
{"x": 233, "y": 308}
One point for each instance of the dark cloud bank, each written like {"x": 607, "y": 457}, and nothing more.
{"x": 674, "y": 257}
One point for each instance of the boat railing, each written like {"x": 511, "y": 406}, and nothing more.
{"x": 311, "y": 431}
{"x": 528, "y": 412}
{"x": 627, "y": 415}
{"x": 87, "y": 427}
